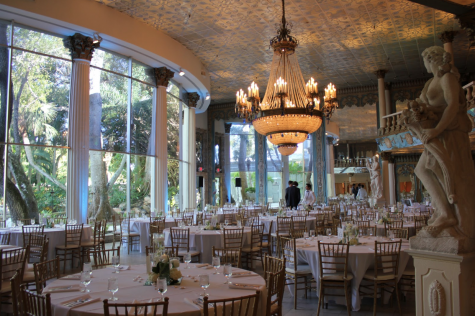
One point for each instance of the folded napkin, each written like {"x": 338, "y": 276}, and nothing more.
{"x": 80, "y": 301}
{"x": 305, "y": 246}
{"x": 190, "y": 303}
{"x": 71, "y": 277}
{"x": 242, "y": 286}
{"x": 59, "y": 289}
{"x": 141, "y": 309}
{"x": 243, "y": 274}
{"x": 121, "y": 268}
{"x": 202, "y": 265}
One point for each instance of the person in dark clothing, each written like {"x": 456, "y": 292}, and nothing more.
{"x": 354, "y": 190}
{"x": 296, "y": 197}
{"x": 287, "y": 194}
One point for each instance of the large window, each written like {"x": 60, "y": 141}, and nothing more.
{"x": 242, "y": 147}
{"x": 300, "y": 164}
{"x": 274, "y": 173}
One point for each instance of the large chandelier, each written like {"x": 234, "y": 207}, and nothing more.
{"x": 290, "y": 109}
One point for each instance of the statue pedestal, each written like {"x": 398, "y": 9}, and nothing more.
{"x": 445, "y": 283}
{"x": 376, "y": 202}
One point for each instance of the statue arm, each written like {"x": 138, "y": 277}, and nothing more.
{"x": 450, "y": 86}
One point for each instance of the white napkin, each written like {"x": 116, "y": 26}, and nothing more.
{"x": 141, "y": 310}
{"x": 87, "y": 300}
{"x": 202, "y": 265}
{"x": 243, "y": 286}
{"x": 190, "y": 303}
{"x": 121, "y": 268}
{"x": 60, "y": 289}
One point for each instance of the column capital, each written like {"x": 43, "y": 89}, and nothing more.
{"x": 447, "y": 36}
{"x": 193, "y": 98}
{"x": 380, "y": 73}
{"x": 387, "y": 86}
{"x": 162, "y": 76}
{"x": 329, "y": 140}
{"x": 80, "y": 46}
{"x": 227, "y": 128}
{"x": 386, "y": 156}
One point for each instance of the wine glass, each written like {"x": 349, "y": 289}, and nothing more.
{"x": 187, "y": 259}
{"x": 85, "y": 279}
{"x": 113, "y": 287}
{"x": 87, "y": 267}
{"x": 312, "y": 233}
{"x": 226, "y": 223}
{"x": 305, "y": 235}
{"x": 162, "y": 286}
{"x": 19, "y": 223}
{"x": 329, "y": 232}
{"x": 228, "y": 272}
{"x": 391, "y": 235}
{"x": 370, "y": 230}
{"x": 204, "y": 283}
{"x": 32, "y": 221}
{"x": 216, "y": 264}
{"x": 116, "y": 263}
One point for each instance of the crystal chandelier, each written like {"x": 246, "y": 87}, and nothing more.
{"x": 290, "y": 110}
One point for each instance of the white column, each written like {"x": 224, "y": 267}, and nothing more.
{"x": 392, "y": 182}
{"x": 382, "y": 99}
{"x": 184, "y": 166}
{"x": 330, "y": 165}
{"x": 159, "y": 187}
{"x": 191, "y": 157}
{"x": 78, "y": 154}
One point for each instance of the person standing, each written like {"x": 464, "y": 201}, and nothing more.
{"x": 296, "y": 195}
{"x": 309, "y": 197}
{"x": 354, "y": 190}
{"x": 362, "y": 194}
{"x": 287, "y": 193}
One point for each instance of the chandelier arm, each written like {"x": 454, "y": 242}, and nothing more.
{"x": 283, "y": 14}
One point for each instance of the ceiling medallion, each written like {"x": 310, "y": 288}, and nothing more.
{"x": 290, "y": 109}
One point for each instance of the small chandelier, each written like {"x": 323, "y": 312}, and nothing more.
{"x": 290, "y": 110}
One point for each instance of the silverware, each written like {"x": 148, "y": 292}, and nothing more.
{"x": 78, "y": 302}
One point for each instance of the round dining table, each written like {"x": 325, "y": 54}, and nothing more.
{"x": 55, "y": 235}
{"x": 132, "y": 288}
{"x": 142, "y": 226}
{"x": 360, "y": 259}
{"x": 204, "y": 240}
{"x": 266, "y": 220}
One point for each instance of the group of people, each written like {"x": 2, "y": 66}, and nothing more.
{"x": 359, "y": 191}
{"x": 293, "y": 197}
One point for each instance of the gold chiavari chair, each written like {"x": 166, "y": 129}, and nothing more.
{"x": 273, "y": 264}
{"x": 148, "y": 309}
{"x": 132, "y": 238}
{"x": 117, "y": 229}
{"x": 385, "y": 272}
{"x": 402, "y": 233}
{"x": 275, "y": 292}
{"x": 299, "y": 222}
{"x": 180, "y": 238}
{"x": 419, "y": 223}
{"x": 94, "y": 243}
{"x": 362, "y": 224}
{"x": 171, "y": 251}
{"x": 233, "y": 237}
{"x": 35, "y": 304}
{"x": 103, "y": 257}
{"x": 232, "y": 256}
{"x": 45, "y": 271}
{"x": 298, "y": 233}
{"x": 333, "y": 265}
{"x": 392, "y": 225}
{"x": 71, "y": 246}
{"x": 246, "y": 305}
{"x": 254, "y": 251}
{"x": 12, "y": 261}
{"x": 284, "y": 225}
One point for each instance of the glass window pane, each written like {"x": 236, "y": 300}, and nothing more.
{"x": 142, "y": 108}
{"x": 40, "y": 42}
{"x": 173, "y": 89}
{"x": 107, "y": 184}
{"x": 274, "y": 173}
{"x": 41, "y": 99}
{"x": 242, "y": 164}
{"x": 113, "y": 62}
{"x": 142, "y": 72}
{"x": 107, "y": 110}
{"x": 39, "y": 175}
{"x": 173, "y": 183}
{"x": 173, "y": 126}
{"x": 140, "y": 176}
{"x": 5, "y": 33}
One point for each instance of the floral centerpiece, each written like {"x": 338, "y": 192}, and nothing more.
{"x": 350, "y": 234}
{"x": 167, "y": 268}
{"x": 280, "y": 212}
{"x": 308, "y": 207}
{"x": 384, "y": 218}
{"x": 213, "y": 224}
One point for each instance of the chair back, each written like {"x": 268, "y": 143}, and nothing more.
{"x": 361, "y": 224}
{"x": 13, "y": 260}
{"x": 386, "y": 257}
{"x": 419, "y": 223}
{"x": 5, "y": 239}
{"x": 171, "y": 251}
{"x": 15, "y": 285}
{"x": 44, "y": 271}
{"x": 27, "y": 230}
{"x": 298, "y": 233}
{"x": 257, "y": 231}
{"x": 35, "y": 304}
{"x": 299, "y": 222}
{"x": 239, "y": 306}
{"x": 273, "y": 264}
{"x": 232, "y": 256}
{"x": 103, "y": 257}
{"x": 284, "y": 225}
{"x": 233, "y": 237}
{"x": 289, "y": 252}
{"x": 73, "y": 235}
{"x": 180, "y": 238}
{"x": 333, "y": 258}
{"x": 275, "y": 292}
{"x": 140, "y": 308}
{"x": 38, "y": 247}
{"x": 399, "y": 232}
{"x": 60, "y": 220}
{"x": 97, "y": 233}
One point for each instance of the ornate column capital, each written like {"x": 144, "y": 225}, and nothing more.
{"x": 193, "y": 98}
{"x": 227, "y": 128}
{"x": 447, "y": 36}
{"x": 380, "y": 73}
{"x": 162, "y": 76}
{"x": 386, "y": 156}
{"x": 80, "y": 46}
{"x": 387, "y": 86}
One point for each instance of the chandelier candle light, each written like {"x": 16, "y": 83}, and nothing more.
{"x": 290, "y": 110}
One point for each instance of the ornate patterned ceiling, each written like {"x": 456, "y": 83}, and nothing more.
{"x": 342, "y": 41}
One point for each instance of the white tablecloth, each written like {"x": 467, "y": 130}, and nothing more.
{"x": 414, "y": 207}
{"x": 311, "y": 221}
{"x": 409, "y": 225}
{"x": 130, "y": 290}
{"x": 142, "y": 226}
{"x": 55, "y": 235}
{"x": 360, "y": 259}
{"x": 204, "y": 240}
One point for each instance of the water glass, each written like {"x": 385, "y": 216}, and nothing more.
{"x": 226, "y": 223}
{"x": 187, "y": 259}
{"x": 32, "y": 221}
{"x": 305, "y": 235}
{"x": 204, "y": 283}
{"x": 116, "y": 263}
{"x": 19, "y": 223}
{"x": 228, "y": 272}
{"x": 85, "y": 279}
{"x": 329, "y": 232}
{"x": 162, "y": 286}
{"x": 312, "y": 233}
{"x": 391, "y": 235}
{"x": 87, "y": 267}
{"x": 216, "y": 264}
{"x": 113, "y": 287}
{"x": 370, "y": 230}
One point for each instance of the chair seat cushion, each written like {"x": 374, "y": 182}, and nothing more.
{"x": 28, "y": 277}
{"x": 29, "y": 267}
{"x": 35, "y": 249}
{"x": 369, "y": 275}
{"x": 280, "y": 234}
{"x": 249, "y": 249}
{"x": 265, "y": 244}
{"x": 62, "y": 247}
{"x": 336, "y": 276}
{"x": 6, "y": 287}
{"x": 301, "y": 269}
{"x": 183, "y": 252}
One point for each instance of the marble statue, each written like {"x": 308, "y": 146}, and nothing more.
{"x": 375, "y": 176}
{"x": 439, "y": 119}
